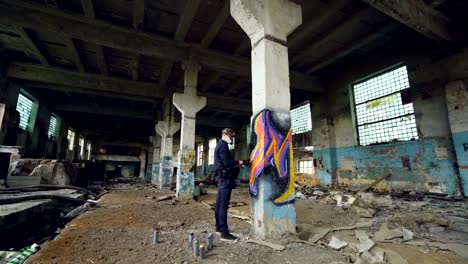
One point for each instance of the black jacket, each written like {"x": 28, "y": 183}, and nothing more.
{"x": 223, "y": 158}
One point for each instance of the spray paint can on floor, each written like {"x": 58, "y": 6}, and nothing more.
{"x": 155, "y": 236}
{"x": 202, "y": 251}
{"x": 209, "y": 244}
{"x": 196, "y": 247}
{"x": 190, "y": 240}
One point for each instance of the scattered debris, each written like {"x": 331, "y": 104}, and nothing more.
{"x": 78, "y": 211}
{"x": 363, "y": 208}
{"x": 165, "y": 197}
{"x": 387, "y": 234}
{"x": 268, "y": 244}
{"x": 365, "y": 243}
{"x": 337, "y": 244}
{"x": 407, "y": 234}
{"x": 300, "y": 195}
{"x": 377, "y": 182}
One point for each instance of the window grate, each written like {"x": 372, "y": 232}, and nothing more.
{"x": 52, "y": 132}
{"x": 306, "y": 166}
{"x": 200, "y": 155}
{"x": 211, "y": 150}
{"x": 24, "y": 107}
{"x": 383, "y": 108}
{"x": 301, "y": 120}
{"x": 71, "y": 139}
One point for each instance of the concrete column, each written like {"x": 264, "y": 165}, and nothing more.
{"x": 457, "y": 106}
{"x": 166, "y": 129}
{"x": 156, "y": 159}
{"x": 188, "y": 103}
{"x": 142, "y": 162}
{"x": 268, "y": 23}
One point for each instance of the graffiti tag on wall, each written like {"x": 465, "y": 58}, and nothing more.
{"x": 272, "y": 157}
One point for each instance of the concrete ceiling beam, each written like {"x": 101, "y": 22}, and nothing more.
{"x": 35, "y": 16}
{"x": 417, "y": 15}
{"x": 91, "y": 83}
{"x": 25, "y": 36}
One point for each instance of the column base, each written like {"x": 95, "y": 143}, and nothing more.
{"x": 270, "y": 220}
{"x": 165, "y": 172}
{"x": 186, "y": 174}
{"x": 155, "y": 174}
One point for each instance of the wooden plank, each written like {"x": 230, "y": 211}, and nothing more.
{"x": 417, "y": 15}
{"x": 10, "y": 149}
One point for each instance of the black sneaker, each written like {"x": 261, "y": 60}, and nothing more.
{"x": 228, "y": 237}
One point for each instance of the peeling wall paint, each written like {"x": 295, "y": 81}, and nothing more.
{"x": 374, "y": 162}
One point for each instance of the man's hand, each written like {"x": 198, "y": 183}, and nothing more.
{"x": 241, "y": 162}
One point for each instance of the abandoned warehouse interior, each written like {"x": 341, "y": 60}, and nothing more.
{"x": 353, "y": 114}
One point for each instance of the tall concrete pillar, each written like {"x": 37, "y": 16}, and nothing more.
{"x": 188, "y": 103}
{"x": 268, "y": 23}
{"x": 166, "y": 129}
{"x": 456, "y": 94}
{"x": 156, "y": 159}
{"x": 142, "y": 162}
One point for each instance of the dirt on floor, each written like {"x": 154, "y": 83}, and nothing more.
{"x": 119, "y": 230}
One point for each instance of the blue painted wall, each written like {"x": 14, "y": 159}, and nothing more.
{"x": 427, "y": 170}
{"x": 459, "y": 141}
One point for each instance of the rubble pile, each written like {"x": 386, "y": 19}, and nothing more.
{"x": 431, "y": 221}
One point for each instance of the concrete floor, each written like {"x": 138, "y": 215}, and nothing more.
{"x": 119, "y": 231}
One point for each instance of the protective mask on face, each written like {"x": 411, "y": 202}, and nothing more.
{"x": 227, "y": 139}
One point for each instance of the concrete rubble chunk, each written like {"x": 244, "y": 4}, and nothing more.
{"x": 363, "y": 208}
{"x": 336, "y": 243}
{"x": 318, "y": 193}
{"x": 407, "y": 234}
{"x": 365, "y": 243}
{"x": 387, "y": 234}
{"x": 300, "y": 195}
{"x": 379, "y": 254}
{"x": 320, "y": 233}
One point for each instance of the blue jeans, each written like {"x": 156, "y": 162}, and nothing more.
{"x": 222, "y": 204}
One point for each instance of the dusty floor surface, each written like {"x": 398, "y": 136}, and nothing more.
{"x": 119, "y": 230}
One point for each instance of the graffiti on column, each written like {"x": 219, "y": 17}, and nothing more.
{"x": 272, "y": 156}
{"x": 166, "y": 164}
{"x": 186, "y": 171}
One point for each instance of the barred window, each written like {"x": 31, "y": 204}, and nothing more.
{"x": 24, "y": 107}
{"x": 71, "y": 139}
{"x": 301, "y": 120}
{"x": 53, "y": 127}
{"x": 306, "y": 166}
{"x": 384, "y": 108}
{"x": 211, "y": 151}
{"x": 200, "y": 155}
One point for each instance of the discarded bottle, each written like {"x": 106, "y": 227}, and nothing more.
{"x": 190, "y": 240}
{"x": 196, "y": 247}
{"x": 155, "y": 236}
{"x": 209, "y": 244}
{"x": 202, "y": 251}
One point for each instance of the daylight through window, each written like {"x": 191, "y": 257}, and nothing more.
{"x": 301, "y": 120}
{"x": 200, "y": 155}
{"x": 384, "y": 109}
{"x": 306, "y": 166}
{"x": 52, "y": 132}
{"x": 24, "y": 107}
{"x": 211, "y": 151}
